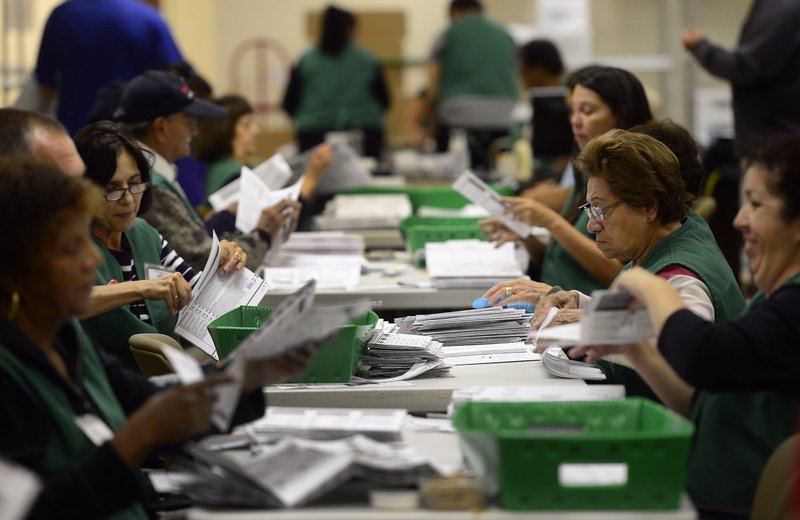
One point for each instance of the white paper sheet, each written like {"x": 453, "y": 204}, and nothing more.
{"x": 213, "y": 296}
{"x": 255, "y": 195}
{"x": 20, "y": 488}
{"x": 473, "y": 188}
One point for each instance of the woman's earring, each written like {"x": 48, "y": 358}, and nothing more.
{"x": 14, "y": 309}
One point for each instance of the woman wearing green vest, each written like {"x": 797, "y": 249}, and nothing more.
{"x": 337, "y": 86}
{"x": 600, "y": 98}
{"x": 142, "y": 281}
{"x": 738, "y": 381}
{"x": 77, "y": 418}
{"x": 227, "y": 143}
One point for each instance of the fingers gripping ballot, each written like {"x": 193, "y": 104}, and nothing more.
{"x": 231, "y": 257}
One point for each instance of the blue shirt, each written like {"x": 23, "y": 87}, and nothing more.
{"x": 87, "y": 44}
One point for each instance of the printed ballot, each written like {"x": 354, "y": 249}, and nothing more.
{"x": 213, "y": 296}
{"x": 473, "y": 188}
{"x": 610, "y": 318}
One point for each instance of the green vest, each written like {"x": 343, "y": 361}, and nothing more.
{"x": 66, "y": 442}
{"x": 160, "y": 181}
{"x": 692, "y": 246}
{"x": 111, "y": 330}
{"x": 735, "y": 433}
{"x": 478, "y": 59}
{"x": 559, "y": 267}
{"x": 336, "y": 91}
{"x": 220, "y": 173}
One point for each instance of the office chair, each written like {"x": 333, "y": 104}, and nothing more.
{"x": 147, "y": 349}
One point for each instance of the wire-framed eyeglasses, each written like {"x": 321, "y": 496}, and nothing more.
{"x": 599, "y": 214}
{"x": 135, "y": 188}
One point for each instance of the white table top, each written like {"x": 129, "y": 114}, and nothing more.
{"x": 423, "y": 395}
{"x": 407, "y": 290}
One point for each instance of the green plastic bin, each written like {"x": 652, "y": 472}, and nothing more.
{"x": 520, "y": 449}
{"x": 435, "y": 196}
{"x": 418, "y": 231}
{"x": 336, "y": 361}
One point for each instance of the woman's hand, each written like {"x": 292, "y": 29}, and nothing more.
{"x": 271, "y": 371}
{"x": 274, "y": 218}
{"x": 318, "y": 165}
{"x": 561, "y": 300}
{"x": 171, "y": 288}
{"x": 172, "y": 415}
{"x": 231, "y": 257}
{"x": 691, "y": 37}
{"x": 530, "y": 211}
{"x": 519, "y": 290}
{"x": 635, "y": 353}
{"x": 497, "y": 232}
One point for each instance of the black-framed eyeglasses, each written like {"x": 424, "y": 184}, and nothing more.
{"x": 135, "y": 188}
{"x": 599, "y": 214}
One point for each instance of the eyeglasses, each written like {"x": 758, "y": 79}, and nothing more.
{"x": 599, "y": 214}
{"x": 135, "y": 188}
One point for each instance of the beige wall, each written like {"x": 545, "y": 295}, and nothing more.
{"x": 210, "y": 31}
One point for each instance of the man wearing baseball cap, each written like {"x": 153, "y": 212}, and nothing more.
{"x": 159, "y": 109}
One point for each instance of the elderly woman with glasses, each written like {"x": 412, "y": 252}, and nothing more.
{"x": 143, "y": 282}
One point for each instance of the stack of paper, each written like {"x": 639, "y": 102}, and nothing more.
{"x": 470, "y": 263}
{"x": 470, "y": 327}
{"x": 294, "y": 471}
{"x": 535, "y": 393}
{"x": 331, "y": 423}
{"x": 345, "y": 172}
{"x": 331, "y": 272}
{"x": 557, "y": 363}
{"x": 324, "y": 243}
{"x": 395, "y": 357}
{"x": 364, "y": 212}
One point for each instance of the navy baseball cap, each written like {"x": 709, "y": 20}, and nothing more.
{"x": 158, "y": 93}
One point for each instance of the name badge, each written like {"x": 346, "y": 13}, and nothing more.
{"x": 153, "y": 271}
{"x": 95, "y": 429}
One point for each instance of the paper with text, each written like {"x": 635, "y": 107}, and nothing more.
{"x": 271, "y": 172}
{"x": 473, "y": 188}
{"x": 213, "y": 296}
{"x": 255, "y": 195}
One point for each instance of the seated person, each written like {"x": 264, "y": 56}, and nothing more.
{"x": 80, "y": 421}
{"x": 159, "y": 110}
{"x": 601, "y": 98}
{"x": 737, "y": 381}
{"x": 133, "y": 301}
{"x": 227, "y": 143}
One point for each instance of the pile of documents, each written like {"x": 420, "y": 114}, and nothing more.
{"x": 294, "y": 471}
{"x": 487, "y": 326}
{"x": 391, "y": 356}
{"x": 470, "y": 263}
{"x": 557, "y": 363}
{"x": 364, "y": 212}
{"x": 331, "y": 423}
{"x": 331, "y": 272}
{"x": 324, "y": 243}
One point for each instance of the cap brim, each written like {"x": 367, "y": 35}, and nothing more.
{"x": 203, "y": 108}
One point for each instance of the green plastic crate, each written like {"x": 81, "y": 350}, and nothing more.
{"x": 520, "y": 447}
{"x": 435, "y": 196}
{"x": 418, "y": 231}
{"x": 336, "y": 360}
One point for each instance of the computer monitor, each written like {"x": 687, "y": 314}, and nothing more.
{"x": 552, "y": 133}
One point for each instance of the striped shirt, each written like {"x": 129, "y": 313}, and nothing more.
{"x": 170, "y": 260}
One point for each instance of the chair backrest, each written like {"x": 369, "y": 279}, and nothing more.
{"x": 778, "y": 483}
{"x": 147, "y": 350}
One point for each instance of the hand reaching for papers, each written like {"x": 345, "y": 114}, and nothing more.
{"x": 318, "y": 165}
{"x": 171, "y": 288}
{"x": 231, "y": 256}
{"x": 275, "y": 370}
{"x": 519, "y": 290}
{"x": 562, "y": 300}
{"x": 634, "y": 352}
{"x": 169, "y": 416}
{"x": 274, "y": 218}
{"x": 497, "y": 232}
{"x": 530, "y": 211}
